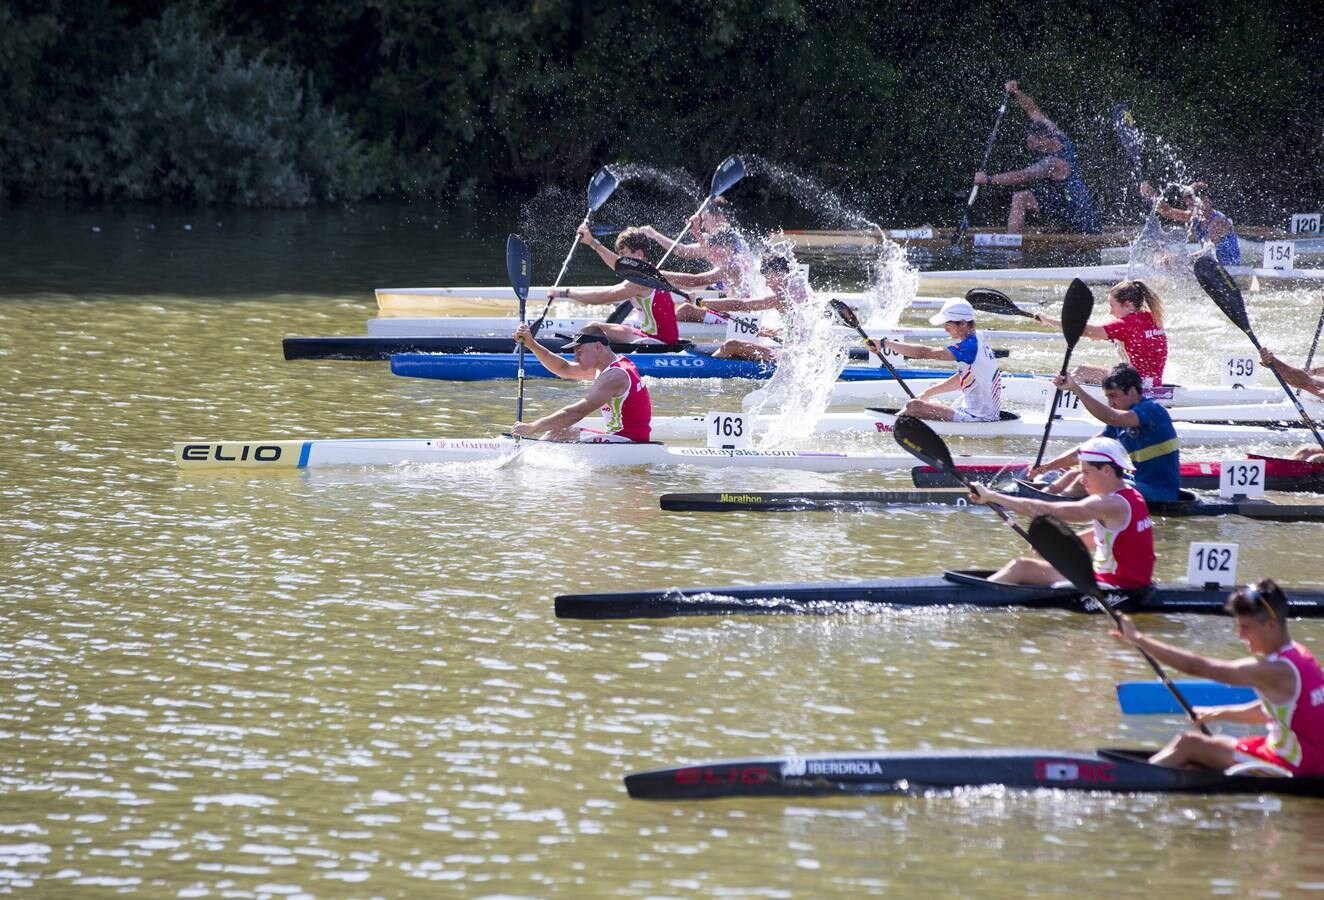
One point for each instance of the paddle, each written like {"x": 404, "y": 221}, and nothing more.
{"x": 983, "y": 167}
{"x": 994, "y": 301}
{"x": 1220, "y": 287}
{"x": 728, "y": 173}
{"x": 917, "y": 438}
{"x": 599, "y": 189}
{"x": 519, "y": 267}
{"x": 1063, "y": 550}
{"x": 850, "y": 320}
{"x": 1076, "y": 309}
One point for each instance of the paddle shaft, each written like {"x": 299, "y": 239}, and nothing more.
{"x": 988, "y": 153}
{"x": 1291, "y": 394}
{"x": 1314, "y": 344}
{"x": 887, "y": 364}
{"x": 519, "y": 373}
{"x": 969, "y": 486}
{"x": 556, "y": 284}
{"x": 684, "y": 228}
{"x": 1052, "y": 411}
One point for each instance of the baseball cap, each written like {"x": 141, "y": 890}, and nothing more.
{"x": 584, "y": 337}
{"x": 1104, "y": 449}
{"x": 954, "y": 310}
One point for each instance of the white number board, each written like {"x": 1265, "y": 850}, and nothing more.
{"x": 1068, "y": 404}
{"x": 911, "y": 234}
{"x": 743, "y": 328}
{"x": 1243, "y": 477}
{"x": 1305, "y": 223}
{"x": 1239, "y": 369}
{"x": 891, "y": 355}
{"x": 984, "y": 239}
{"x": 728, "y": 431}
{"x": 1280, "y": 255}
{"x": 1212, "y": 564}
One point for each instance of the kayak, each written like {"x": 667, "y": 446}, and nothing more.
{"x": 1279, "y": 474}
{"x": 493, "y": 366}
{"x": 1111, "y": 238}
{"x": 863, "y": 501}
{"x": 970, "y": 588}
{"x": 1055, "y": 279}
{"x": 834, "y": 774}
{"x": 1012, "y": 425}
{"x": 1282, "y": 412}
{"x": 376, "y": 347}
{"x": 1037, "y": 392}
{"x": 1142, "y": 698}
{"x": 310, "y": 454}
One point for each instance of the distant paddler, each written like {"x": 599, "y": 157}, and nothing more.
{"x": 657, "y": 310}
{"x": 1137, "y": 325}
{"x": 1052, "y": 186}
{"x": 1303, "y": 380}
{"x": 1121, "y": 533}
{"x": 1138, "y": 423}
{"x": 977, "y": 375}
{"x": 1282, "y": 672}
{"x": 617, "y": 391}
{"x": 1207, "y": 225}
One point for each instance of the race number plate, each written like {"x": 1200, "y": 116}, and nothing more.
{"x": 1239, "y": 369}
{"x": 1280, "y": 255}
{"x": 1305, "y": 223}
{"x": 1244, "y": 477}
{"x": 728, "y": 431}
{"x": 1212, "y": 564}
{"x": 742, "y": 328}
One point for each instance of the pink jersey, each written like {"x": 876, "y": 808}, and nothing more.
{"x": 1124, "y": 557}
{"x": 1143, "y": 342}
{"x": 1296, "y": 727}
{"x": 629, "y": 415}
{"x": 658, "y": 313}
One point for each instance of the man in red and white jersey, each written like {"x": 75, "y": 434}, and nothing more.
{"x": 617, "y": 391}
{"x": 1122, "y": 532}
{"x": 1283, "y": 673}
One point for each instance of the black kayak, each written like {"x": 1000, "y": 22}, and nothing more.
{"x": 968, "y": 588}
{"x": 857, "y": 501}
{"x": 1111, "y": 771}
{"x": 371, "y": 347}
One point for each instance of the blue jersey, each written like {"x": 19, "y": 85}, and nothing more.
{"x": 1067, "y": 201}
{"x": 1153, "y": 448}
{"x": 1228, "y": 250}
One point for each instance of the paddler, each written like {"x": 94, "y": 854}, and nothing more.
{"x": 1283, "y": 673}
{"x": 1207, "y": 225}
{"x": 787, "y": 293}
{"x": 977, "y": 375}
{"x": 1138, "y": 423}
{"x": 657, "y": 309}
{"x": 1306, "y": 381}
{"x": 617, "y": 391}
{"x": 1137, "y": 324}
{"x": 1053, "y": 186}
{"x": 1121, "y": 533}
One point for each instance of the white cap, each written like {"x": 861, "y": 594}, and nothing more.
{"x": 1105, "y": 449}
{"x": 954, "y": 310}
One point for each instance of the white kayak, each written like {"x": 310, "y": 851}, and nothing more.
{"x": 1055, "y": 279}
{"x": 1031, "y": 424}
{"x": 1283, "y": 411}
{"x": 1034, "y": 391}
{"x": 504, "y": 326}
{"x": 284, "y": 454}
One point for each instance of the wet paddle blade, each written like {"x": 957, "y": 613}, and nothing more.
{"x": 1076, "y": 309}
{"x": 994, "y": 301}
{"x": 600, "y": 188}
{"x": 845, "y": 314}
{"x": 519, "y": 266}
{"x": 1062, "y": 547}
{"x": 642, "y": 272}
{"x": 1220, "y": 287}
{"x": 728, "y": 173}
{"x": 918, "y": 439}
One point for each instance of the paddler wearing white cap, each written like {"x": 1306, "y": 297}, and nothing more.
{"x": 1122, "y": 532}
{"x": 977, "y": 376}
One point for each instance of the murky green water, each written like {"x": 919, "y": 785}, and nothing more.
{"x": 350, "y": 683}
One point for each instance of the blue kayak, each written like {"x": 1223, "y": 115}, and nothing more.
{"x": 494, "y": 366}
{"x": 1151, "y": 697}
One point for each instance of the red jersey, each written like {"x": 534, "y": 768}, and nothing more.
{"x": 1296, "y": 728}
{"x": 1143, "y": 342}
{"x": 1124, "y": 557}
{"x": 629, "y": 415}
{"x": 658, "y": 314}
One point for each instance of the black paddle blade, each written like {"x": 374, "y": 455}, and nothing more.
{"x": 994, "y": 301}
{"x": 918, "y": 439}
{"x": 1220, "y": 287}
{"x": 1128, "y": 135}
{"x": 600, "y": 188}
{"x": 1061, "y": 546}
{"x": 1076, "y": 309}
{"x": 642, "y": 272}
{"x": 728, "y": 173}
{"x": 519, "y": 266}
{"x": 845, "y": 313}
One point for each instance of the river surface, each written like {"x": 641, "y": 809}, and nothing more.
{"x": 351, "y": 683}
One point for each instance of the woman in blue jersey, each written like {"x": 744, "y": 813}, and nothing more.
{"x": 1052, "y": 186}
{"x": 1206, "y": 224}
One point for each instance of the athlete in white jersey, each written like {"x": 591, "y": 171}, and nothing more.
{"x": 977, "y": 376}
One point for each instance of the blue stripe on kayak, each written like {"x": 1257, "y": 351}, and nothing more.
{"x": 306, "y": 449}
{"x": 1151, "y": 697}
